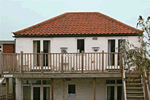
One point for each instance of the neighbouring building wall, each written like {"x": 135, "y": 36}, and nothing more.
{"x": 8, "y": 48}
{"x": 26, "y": 44}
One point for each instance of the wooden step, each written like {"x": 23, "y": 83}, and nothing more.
{"x": 133, "y": 84}
{"x": 135, "y": 97}
{"x": 133, "y": 81}
{"x": 134, "y": 88}
{"x": 134, "y": 92}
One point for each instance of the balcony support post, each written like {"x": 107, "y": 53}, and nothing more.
{"x": 7, "y": 88}
{"x": 94, "y": 84}
{"x": 52, "y": 89}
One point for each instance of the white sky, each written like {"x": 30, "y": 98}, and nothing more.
{"x": 19, "y": 14}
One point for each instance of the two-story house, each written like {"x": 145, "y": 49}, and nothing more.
{"x": 73, "y": 56}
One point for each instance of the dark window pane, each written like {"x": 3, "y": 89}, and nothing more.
{"x": 110, "y": 81}
{"x": 26, "y": 93}
{"x": 47, "y": 82}
{"x": 71, "y": 89}
{"x": 80, "y": 45}
{"x": 119, "y": 81}
{"x": 46, "y": 93}
{"x": 36, "y": 82}
{"x": 119, "y": 93}
{"x": 110, "y": 93}
{"x": 26, "y": 81}
{"x": 36, "y": 93}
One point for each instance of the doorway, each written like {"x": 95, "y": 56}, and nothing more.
{"x": 36, "y": 89}
{"x": 111, "y": 50}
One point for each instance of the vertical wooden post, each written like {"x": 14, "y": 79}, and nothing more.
{"x": 52, "y": 89}
{"x": 42, "y": 62}
{"x": 82, "y": 61}
{"x": 7, "y": 88}
{"x": 21, "y": 61}
{"x": 102, "y": 61}
{"x": 94, "y": 84}
{"x": 61, "y": 61}
{"x": 14, "y": 91}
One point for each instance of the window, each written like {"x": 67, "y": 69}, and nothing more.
{"x": 0, "y": 48}
{"x": 80, "y": 45}
{"x": 110, "y": 81}
{"x": 114, "y": 89}
{"x": 111, "y": 48}
{"x": 36, "y": 49}
{"x": 71, "y": 91}
{"x": 110, "y": 93}
{"x": 26, "y": 93}
{"x": 46, "y": 49}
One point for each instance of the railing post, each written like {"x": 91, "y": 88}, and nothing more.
{"x": 42, "y": 62}
{"x": 1, "y": 62}
{"x": 102, "y": 61}
{"x": 82, "y": 60}
{"x": 61, "y": 61}
{"x": 21, "y": 61}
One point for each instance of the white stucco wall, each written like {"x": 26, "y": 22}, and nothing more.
{"x": 26, "y": 44}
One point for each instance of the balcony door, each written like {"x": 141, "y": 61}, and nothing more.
{"x": 111, "y": 49}
{"x": 46, "y": 50}
{"x": 36, "y": 50}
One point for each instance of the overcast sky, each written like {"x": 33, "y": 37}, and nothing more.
{"x": 19, "y": 14}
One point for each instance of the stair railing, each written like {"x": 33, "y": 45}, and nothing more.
{"x": 146, "y": 87}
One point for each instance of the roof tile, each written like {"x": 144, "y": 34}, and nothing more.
{"x": 79, "y": 23}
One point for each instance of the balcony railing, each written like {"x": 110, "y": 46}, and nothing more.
{"x": 98, "y": 62}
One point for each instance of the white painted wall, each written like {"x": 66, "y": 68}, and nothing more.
{"x": 26, "y": 44}
{"x": 84, "y": 89}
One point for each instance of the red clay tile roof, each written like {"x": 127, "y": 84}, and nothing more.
{"x": 75, "y": 23}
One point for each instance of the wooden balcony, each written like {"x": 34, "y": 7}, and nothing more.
{"x": 50, "y": 63}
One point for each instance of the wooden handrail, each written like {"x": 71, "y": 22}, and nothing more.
{"x": 98, "y": 62}
{"x": 146, "y": 90}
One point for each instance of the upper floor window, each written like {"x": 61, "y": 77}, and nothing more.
{"x": 80, "y": 45}
{"x": 36, "y": 46}
{"x": 0, "y": 48}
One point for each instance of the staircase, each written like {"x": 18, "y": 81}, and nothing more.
{"x": 134, "y": 87}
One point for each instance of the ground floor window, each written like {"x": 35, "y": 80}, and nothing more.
{"x": 27, "y": 92}
{"x": 36, "y": 89}
{"x": 114, "y": 89}
{"x": 71, "y": 91}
